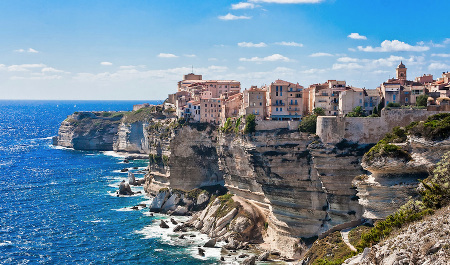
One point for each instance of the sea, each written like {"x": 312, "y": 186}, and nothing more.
{"x": 59, "y": 205}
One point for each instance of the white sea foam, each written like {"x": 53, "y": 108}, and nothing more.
{"x": 114, "y": 154}
{"x": 61, "y": 147}
{"x": 5, "y": 243}
{"x": 167, "y": 236}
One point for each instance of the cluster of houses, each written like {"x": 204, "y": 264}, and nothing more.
{"x": 214, "y": 101}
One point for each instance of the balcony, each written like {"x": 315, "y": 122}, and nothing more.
{"x": 279, "y": 104}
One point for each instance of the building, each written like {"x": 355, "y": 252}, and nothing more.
{"x": 254, "y": 102}
{"x": 210, "y": 109}
{"x": 216, "y": 87}
{"x": 372, "y": 98}
{"x": 402, "y": 91}
{"x": 326, "y": 96}
{"x": 285, "y": 101}
{"x": 231, "y": 106}
{"x": 350, "y": 99}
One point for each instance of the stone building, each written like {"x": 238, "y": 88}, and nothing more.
{"x": 285, "y": 101}
{"x": 210, "y": 109}
{"x": 231, "y": 106}
{"x": 254, "y": 102}
{"x": 326, "y": 96}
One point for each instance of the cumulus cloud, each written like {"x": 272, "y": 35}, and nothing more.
{"x": 346, "y": 66}
{"x": 29, "y": 50}
{"x": 230, "y": 16}
{"x": 288, "y": 1}
{"x": 443, "y": 55}
{"x": 52, "y": 70}
{"x": 356, "y": 36}
{"x": 190, "y": 55}
{"x": 106, "y": 63}
{"x": 167, "y": 55}
{"x": 289, "y": 43}
{"x": 24, "y": 67}
{"x": 243, "y": 5}
{"x": 271, "y": 58}
{"x": 438, "y": 66}
{"x": 321, "y": 54}
{"x": 394, "y": 46}
{"x": 252, "y": 45}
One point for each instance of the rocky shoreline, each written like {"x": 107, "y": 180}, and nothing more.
{"x": 276, "y": 191}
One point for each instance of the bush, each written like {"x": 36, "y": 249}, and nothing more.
{"x": 227, "y": 126}
{"x": 250, "y": 124}
{"x": 436, "y": 127}
{"x": 357, "y": 112}
{"x": 422, "y": 100}
{"x": 319, "y": 111}
{"x": 308, "y": 124}
{"x": 393, "y": 105}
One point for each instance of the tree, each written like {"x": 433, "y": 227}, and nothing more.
{"x": 375, "y": 111}
{"x": 357, "y": 112}
{"x": 308, "y": 124}
{"x": 422, "y": 100}
{"x": 319, "y": 111}
{"x": 250, "y": 123}
{"x": 380, "y": 107}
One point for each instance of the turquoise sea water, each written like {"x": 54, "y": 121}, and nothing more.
{"x": 57, "y": 205}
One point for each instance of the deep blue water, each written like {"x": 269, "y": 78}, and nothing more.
{"x": 57, "y": 205}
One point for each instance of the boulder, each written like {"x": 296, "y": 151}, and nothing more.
{"x": 249, "y": 261}
{"x": 125, "y": 189}
{"x": 124, "y": 170}
{"x": 210, "y": 244}
{"x": 173, "y": 221}
{"x": 131, "y": 178}
{"x": 201, "y": 252}
{"x": 264, "y": 256}
{"x": 163, "y": 224}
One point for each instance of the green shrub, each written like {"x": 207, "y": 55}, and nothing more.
{"x": 422, "y": 100}
{"x": 357, "y": 112}
{"x": 250, "y": 124}
{"x": 227, "y": 126}
{"x": 308, "y": 124}
{"x": 393, "y": 105}
{"x": 319, "y": 111}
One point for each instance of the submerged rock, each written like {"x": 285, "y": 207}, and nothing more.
{"x": 210, "y": 244}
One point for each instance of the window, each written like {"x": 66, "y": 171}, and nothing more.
{"x": 406, "y": 99}
{"x": 295, "y": 102}
{"x": 206, "y": 105}
{"x": 281, "y": 109}
{"x": 276, "y": 102}
{"x": 393, "y": 97}
{"x": 260, "y": 103}
{"x": 276, "y": 87}
{"x": 277, "y": 109}
{"x": 276, "y": 94}
{"x": 360, "y": 101}
{"x": 292, "y": 102}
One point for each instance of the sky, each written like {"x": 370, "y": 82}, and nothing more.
{"x": 140, "y": 49}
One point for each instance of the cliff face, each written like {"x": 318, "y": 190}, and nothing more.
{"x": 394, "y": 180}
{"x": 89, "y": 131}
{"x": 184, "y": 157}
{"x": 306, "y": 185}
{"x": 132, "y": 138}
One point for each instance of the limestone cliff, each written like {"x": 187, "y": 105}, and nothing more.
{"x": 398, "y": 161}
{"x": 89, "y": 131}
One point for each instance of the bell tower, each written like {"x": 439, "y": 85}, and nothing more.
{"x": 401, "y": 71}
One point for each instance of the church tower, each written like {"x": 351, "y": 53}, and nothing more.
{"x": 401, "y": 71}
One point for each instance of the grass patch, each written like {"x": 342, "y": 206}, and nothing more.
{"x": 329, "y": 250}
{"x": 354, "y": 236}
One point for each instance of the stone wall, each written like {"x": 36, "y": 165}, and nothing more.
{"x": 268, "y": 125}
{"x": 333, "y": 129}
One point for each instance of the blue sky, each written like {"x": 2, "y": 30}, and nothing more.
{"x": 140, "y": 49}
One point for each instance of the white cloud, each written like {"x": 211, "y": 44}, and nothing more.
{"x": 348, "y": 66}
{"x": 356, "y": 36}
{"x": 190, "y": 55}
{"x": 288, "y": 1}
{"x": 446, "y": 41}
{"x": 271, "y": 58}
{"x": 167, "y": 55}
{"x": 290, "y": 43}
{"x": 320, "y": 54}
{"x": 212, "y": 59}
{"x": 24, "y": 67}
{"x": 230, "y": 16}
{"x": 438, "y": 66}
{"x": 52, "y": 70}
{"x": 30, "y": 50}
{"x": 443, "y": 55}
{"x": 252, "y": 45}
{"x": 106, "y": 63}
{"x": 313, "y": 71}
{"x": 394, "y": 46}
{"x": 347, "y": 60}
{"x": 243, "y": 5}
{"x": 352, "y": 49}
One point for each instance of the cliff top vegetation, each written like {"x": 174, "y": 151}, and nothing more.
{"x": 435, "y": 128}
